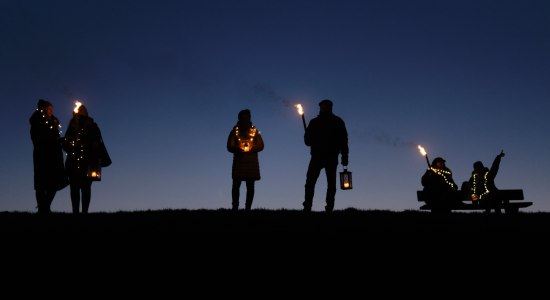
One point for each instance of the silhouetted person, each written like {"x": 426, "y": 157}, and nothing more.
{"x": 327, "y": 136}
{"x": 83, "y": 145}
{"x": 482, "y": 184}
{"x": 49, "y": 173}
{"x": 244, "y": 141}
{"x": 440, "y": 190}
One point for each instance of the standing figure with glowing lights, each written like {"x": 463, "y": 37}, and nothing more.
{"x": 439, "y": 187}
{"x": 244, "y": 141}
{"x": 482, "y": 184}
{"x": 84, "y": 147}
{"x": 49, "y": 173}
{"x": 327, "y": 136}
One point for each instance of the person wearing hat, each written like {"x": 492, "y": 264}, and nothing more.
{"x": 482, "y": 184}
{"x": 327, "y": 137}
{"x": 439, "y": 186}
{"x": 49, "y": 172}
{"x": 244, "y": 141}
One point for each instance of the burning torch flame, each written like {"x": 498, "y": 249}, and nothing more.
{"x": 425, "y": 154}
{"x": 301, "y": 112}
{"x": 300, "y": 109}
{"x": 422, "y": 150}
{"x": 77, "y": 105}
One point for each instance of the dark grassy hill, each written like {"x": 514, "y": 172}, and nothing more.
{"x": 289, "y": 221}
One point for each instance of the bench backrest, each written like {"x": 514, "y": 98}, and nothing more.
{"x": 500, "y": 194}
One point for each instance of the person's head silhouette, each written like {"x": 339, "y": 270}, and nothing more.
{"x": 244, "y": 116}
{"x": 325, "y": 106}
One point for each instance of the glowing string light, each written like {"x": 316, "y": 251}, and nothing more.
{"x": 444, "y": 174}
{"x": 485, "y": 189}
{"x": 246, "y": 143}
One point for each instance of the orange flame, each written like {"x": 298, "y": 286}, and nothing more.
{"x": 77, "y": 105}
{"x": 300, "y": 108}
{"x": 422, "y": 150}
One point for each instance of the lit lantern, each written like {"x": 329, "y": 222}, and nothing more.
{"x": 94, "y": 172}
{"x": 245, "y": 146}
{"x": 346, "y": 180}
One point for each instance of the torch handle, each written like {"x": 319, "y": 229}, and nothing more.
{"x": 304, "y": 121}
{"x": 428, "y": 161}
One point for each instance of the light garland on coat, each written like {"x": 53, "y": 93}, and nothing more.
{"x": 475, "y": 187}
{"x": 251, "y": 134}
{"x": 443, "y": 174}
{"x": 49, "y": 123}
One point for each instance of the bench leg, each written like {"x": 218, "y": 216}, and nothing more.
{"x": 511, "y": 210}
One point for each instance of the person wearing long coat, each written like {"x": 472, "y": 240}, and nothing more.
{"x": 83, "y": 146}
{"x": 49, "y": 173}
{"x": 244, "y": 141}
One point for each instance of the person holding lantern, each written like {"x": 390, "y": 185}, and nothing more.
{"x": 49, "y": 173}
{"x": 482, "y": 184}
{"x": 85, "y": 150}
{"x": 244, "y": 141}
{"x": 327, "y": 136}
{"x": 440, "y": 189}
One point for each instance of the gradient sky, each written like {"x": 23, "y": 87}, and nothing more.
{"x": 165, "y": 80}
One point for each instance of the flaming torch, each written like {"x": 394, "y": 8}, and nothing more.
{"x": 301, "y": 112}
{"x": 77, "y": 105}
{"x": 423, "y": 152}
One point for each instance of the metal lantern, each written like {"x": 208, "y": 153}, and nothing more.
{"x": 94, "y": 172}
{"x": 346, "y": 180}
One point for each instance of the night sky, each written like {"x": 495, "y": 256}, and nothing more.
{"x": 165, "y": 80}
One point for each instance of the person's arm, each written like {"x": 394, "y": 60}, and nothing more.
{"x": 258, "y": 142}
{"x": 426, "y": 178}
{"x": 344, "y": 149}
{"x": 495, "y": 166}
{"x": 232, "y": 142}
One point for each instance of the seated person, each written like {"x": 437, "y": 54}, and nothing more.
{"x": 440, "y": 190}
{"x": 482, "y": 184}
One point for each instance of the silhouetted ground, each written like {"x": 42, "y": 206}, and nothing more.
{"x": 287, "y": 246}
{"x": 288, "y": 221}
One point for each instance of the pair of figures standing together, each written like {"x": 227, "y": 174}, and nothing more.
{"x": 85, "y": 150}
{"x": 326, "y": 135}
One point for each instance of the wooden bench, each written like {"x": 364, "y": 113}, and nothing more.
{"x": 511, "y": 201}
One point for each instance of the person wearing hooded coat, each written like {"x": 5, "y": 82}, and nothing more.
{"x": 85, "y": 149}
{"x": 244, "y": 141}
{"x": 482, "y": 184}
{"x": 49, "y": 173}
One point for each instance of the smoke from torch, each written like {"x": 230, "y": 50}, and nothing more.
{"x": 77, "y": 105}
{"x": 301, "y": 112}
{"x": 423, "y": 152}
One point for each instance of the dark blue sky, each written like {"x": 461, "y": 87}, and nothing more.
{"x": 165, "y": 80}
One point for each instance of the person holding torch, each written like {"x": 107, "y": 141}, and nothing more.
{"x": 244, "y": 141}
{"x": 328, "y": 138}
{"x": 83, "y": 144}
{"x": 439, "y": 186}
